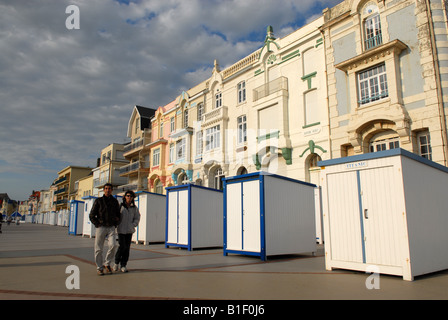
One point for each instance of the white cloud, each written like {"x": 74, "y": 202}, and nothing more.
{"x": 66, "y": 94}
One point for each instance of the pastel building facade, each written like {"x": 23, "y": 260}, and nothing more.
{"x": 162, "y": 148}
{"x": 387, "y": 67}
{"x": 137, "y": 152}
{"x": 266, "y": 112}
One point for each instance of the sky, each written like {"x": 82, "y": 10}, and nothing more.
{"x": 67, "y": 90}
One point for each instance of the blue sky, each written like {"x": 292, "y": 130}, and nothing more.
{"x": 66, "y": 94}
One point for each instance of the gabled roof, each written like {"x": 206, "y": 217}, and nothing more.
{"x": 145, "y": 115}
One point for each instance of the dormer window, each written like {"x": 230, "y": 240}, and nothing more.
{"x": 372, "y": 27}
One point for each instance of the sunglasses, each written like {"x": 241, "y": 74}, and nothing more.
{"x": 128, "y": 195}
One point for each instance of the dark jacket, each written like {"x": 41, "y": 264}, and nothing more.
{"x": 105, "y": 212}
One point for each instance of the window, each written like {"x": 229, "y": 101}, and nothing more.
{"x": 212, "y": 138}
{"x": 137, "y": 125}
{"x": 384, "y": 144}
{"x": 156, "y": 157}
{"x": 218, "y": 100}
{"x": 172, "y": 125}
{"x": 172, "y": 154}
{"x": 185, "y": 118}
{"x": 311, "y": 108}
{"x": 373, "y": 84}
{"x": 158, "y": 187}
{"x": 424, "y": 145}
{"x": 372, "y": 27}
{"x": 200, "y": 111}
{"x": 242, "y": 129}
{"x": 180, "y": 146}
{"x": 241, "y": 92}
{"x": 199, "y": 143}
{"x": 161, "y": 130}
{"x": 217, "y": 182}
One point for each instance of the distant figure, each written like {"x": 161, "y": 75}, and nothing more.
{"x": 130, "y": 217}
{"x": 105, "y": 216}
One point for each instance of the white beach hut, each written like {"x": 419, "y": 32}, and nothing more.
{"x": 193, "y": 217}
{"x": 266, "y": 214}
{"x": 385, "y": 212}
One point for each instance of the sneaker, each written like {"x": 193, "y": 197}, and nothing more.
{"x": 116, "y": 267}
{"x": 108, "y": 269}
{"x": 123, "y": 269}
{"x": 100, "y": 272}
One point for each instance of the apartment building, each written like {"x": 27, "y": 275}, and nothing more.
{"x": 108, "y": 169}
{"x": 266, "y": 112}
{"x": 65, "y": 185}
{"x": 387, "y": 76}
{"x": 162, "y": 147}
{"x": 137, "y": 152}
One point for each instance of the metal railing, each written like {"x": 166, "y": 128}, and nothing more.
{"x": 130, "y": 167}
{"x": 373, "y": 41}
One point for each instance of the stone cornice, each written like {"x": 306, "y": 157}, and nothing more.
{"x": 377, "y": 53}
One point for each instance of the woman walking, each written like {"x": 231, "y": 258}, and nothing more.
{"x": 130, "y": 217}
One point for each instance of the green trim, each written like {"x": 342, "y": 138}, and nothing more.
{"x": 311, "y": 147}
{"x": 256, "y": 161}
{"x": 308, "y": 78}
{"x": 310, "y": 125}
{"x": 319, "y": 42}
{"x": 258, "y": 72}
{"x": 291, "y": 55}
{"x": 287, "y": 155}
{"x": 268, "y": 136}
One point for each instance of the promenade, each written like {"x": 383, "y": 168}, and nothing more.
{"x": 34, "y": 259}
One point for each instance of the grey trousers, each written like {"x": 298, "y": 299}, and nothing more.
{"x": 100, "y": 237}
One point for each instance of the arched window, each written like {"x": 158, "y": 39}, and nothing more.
{"x": 313, "y": 175}
{"x": 384, "y": 141}
{"x": 372, "y": 26}
{"x": 241, "y": 171}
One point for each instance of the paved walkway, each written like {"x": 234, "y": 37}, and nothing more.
{"x": 34, "y": 259}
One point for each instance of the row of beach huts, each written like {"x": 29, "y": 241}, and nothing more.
{"x": 387, "y": 210}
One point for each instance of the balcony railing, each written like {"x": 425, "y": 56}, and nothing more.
{"x": 215, "y": 115}
{"x": 61, "y": 190}
{"x": 131, "y": 167}
{"x": 60, "y": 180}
{"x": 270, "y": 88}
{"x": 373, "y": 41}
{"x": 133, "y": 146}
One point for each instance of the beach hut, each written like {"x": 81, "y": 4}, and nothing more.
{"x": 193, "y": 217}
{"x": 267, "y": 214}
{"x": 152, "y": 208}
{"x": 385, "y": 212}
{"x": 88, "y": 228}
{"x": 75, "y": 225}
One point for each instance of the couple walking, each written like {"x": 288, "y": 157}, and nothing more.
{"x": 111, "y": 218}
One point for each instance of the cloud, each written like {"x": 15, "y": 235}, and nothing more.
{"x": 66, "y": 94}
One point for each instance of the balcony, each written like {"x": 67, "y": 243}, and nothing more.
{"x": 132, "y": 167}
{"x": 133, "y": 146}
{"x": 60, "y": 180}
{"x": 270, "y": 88}
{"x": 214, "y": 116}
{"x": 373, "y": 42}
{"x": 63, "y": 190}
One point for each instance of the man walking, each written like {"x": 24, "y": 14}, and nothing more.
{"x": 105, "y": 215}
